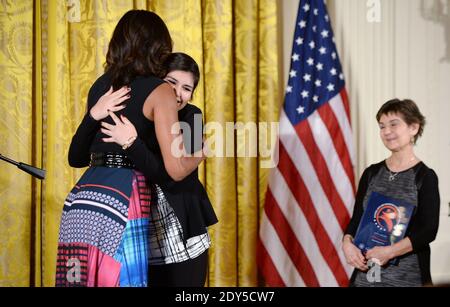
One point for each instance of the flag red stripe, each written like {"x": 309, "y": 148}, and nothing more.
{"x": 289, "y": 241}
{"x": 332, "y": 124}
{"x": 304, "y": 132}
{"x": 346, "y": 104}
{"x": 301, "y": 194}
{"x": 267, "y": 268}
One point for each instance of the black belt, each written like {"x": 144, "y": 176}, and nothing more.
{"x": 110, "y": 159}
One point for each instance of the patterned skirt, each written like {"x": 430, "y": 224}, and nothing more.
{"x": 103, "y": 236}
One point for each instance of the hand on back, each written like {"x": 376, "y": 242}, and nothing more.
{"x": 110, "y": 101}
{"x": 122, "y": 133}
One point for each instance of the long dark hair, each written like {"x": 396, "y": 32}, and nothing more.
{"x": 182, "y": 61}
{"x": 139, "y": 45}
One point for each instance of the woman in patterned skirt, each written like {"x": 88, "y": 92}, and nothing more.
{"x": 103, "y": 238}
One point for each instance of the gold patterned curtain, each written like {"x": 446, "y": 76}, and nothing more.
{"x": 50, "y": 53}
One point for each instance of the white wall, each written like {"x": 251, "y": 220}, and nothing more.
{"x": 405, "y": 55}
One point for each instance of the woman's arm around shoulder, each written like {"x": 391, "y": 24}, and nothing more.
{"x": 161, "y": 107}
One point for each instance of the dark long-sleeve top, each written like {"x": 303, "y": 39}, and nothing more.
{"x": 424, "y": 224}
{"x": 187, "y": 197}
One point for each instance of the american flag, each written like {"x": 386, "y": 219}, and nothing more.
{"x": 310, "y": 195}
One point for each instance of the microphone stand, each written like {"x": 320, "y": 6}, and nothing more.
{"x": 40, "y": 174}
{"x": 34, "y": 171}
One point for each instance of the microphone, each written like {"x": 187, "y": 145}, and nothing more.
{"x": 34, "y": 171}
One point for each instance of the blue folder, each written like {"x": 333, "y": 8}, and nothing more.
{"x": 384, "y": 222}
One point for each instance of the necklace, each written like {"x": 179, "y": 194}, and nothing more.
{"x": 392, "y": 175}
